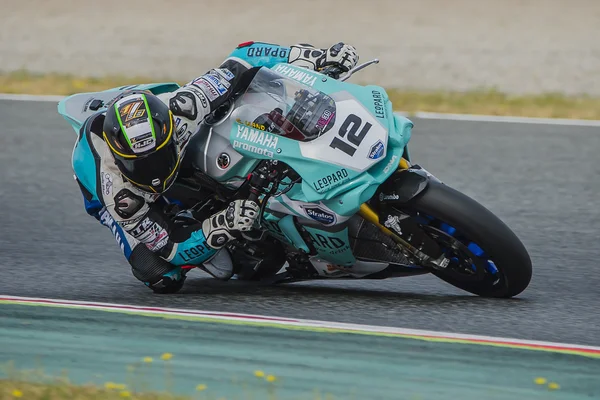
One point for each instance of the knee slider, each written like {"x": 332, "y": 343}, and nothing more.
{"x": 147, "y": 266}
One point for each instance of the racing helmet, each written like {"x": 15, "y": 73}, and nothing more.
{"x": 138, "y": 129}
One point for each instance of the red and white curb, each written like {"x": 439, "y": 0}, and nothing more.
{"x": 311, "y": 325}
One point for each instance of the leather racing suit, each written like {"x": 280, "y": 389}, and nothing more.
{"x": 156, "y": 250}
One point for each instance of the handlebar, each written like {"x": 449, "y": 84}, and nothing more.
{"x": 261, "y": 178}
{"x": 258, "y": 180}
{"x": 332, "y": 71}
{"x": 253, "y": 196}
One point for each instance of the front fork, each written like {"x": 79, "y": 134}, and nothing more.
{"x": 371, "y": 215}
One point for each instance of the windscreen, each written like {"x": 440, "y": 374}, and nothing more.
{"x": 283, "y": 106}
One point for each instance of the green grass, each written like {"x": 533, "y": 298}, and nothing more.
{"x": 11, "y": 389}
{"x": 492, "y": 102}
{"x": 484, "y": 101}
{"x": 35, "y": 384}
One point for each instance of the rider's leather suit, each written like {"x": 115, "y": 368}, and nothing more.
{"x": 147, "y": 237}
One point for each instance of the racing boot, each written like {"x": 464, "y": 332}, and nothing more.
{"x": 219, "y": 266}
{"x": 169, "y": 283}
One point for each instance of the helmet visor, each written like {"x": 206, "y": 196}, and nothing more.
{"x": 154, "y": 172}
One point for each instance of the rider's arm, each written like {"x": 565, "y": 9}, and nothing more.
{"x": 137, "y": 214}
{"x": 259, "y": 54}
{"x": 193, "y": 101}
{"x": 147, "y": 223}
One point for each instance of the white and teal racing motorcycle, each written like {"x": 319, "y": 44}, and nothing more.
{"x": 340, "y": 197}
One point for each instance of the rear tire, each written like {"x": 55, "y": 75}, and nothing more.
{"x": 478, "y": 225}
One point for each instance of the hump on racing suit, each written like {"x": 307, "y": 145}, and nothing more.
{"x": 89, "y": 155}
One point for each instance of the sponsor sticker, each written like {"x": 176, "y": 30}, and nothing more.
{"x": 267, "y": 51}
{"x": 391, "y": 196}
{"x": 251, "y": 124}
{"x": 199, "y": 94}
{"x": 378, "y": 104}
{"x": 216, "y": 83}
{"x": 142, "y": 143}
{"x": 376, "y": 150}
{"x": 393, "y": 162}
{"x": 299, "y": 75}
{"x": 107, "y": 220}
{"x": 225, "y": 73}
{"x": 330, "y": 181}
{"x": 182, "y": 131}
{"x": 255, "y": 141}
{"x": 106, "y": 183}
{"x": 320, "y": 215}
{"x": 324, "y": 119}
{"x": 206, "y": 88}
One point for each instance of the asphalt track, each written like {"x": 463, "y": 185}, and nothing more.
{"x": 540, "y": 179}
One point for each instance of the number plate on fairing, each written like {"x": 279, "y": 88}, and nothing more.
{"x": 356, "y": 141}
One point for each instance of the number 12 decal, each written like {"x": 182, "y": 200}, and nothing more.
{"x": 354, "y": 138}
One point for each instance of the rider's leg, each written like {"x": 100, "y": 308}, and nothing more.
{"x": 191, "y": 243}
{"x": 148, "y": 267}
{"x": 154, "y": 271}
{"x": 220, "y": 265}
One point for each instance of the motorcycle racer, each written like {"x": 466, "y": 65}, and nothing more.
{"x": 127, "y": 156}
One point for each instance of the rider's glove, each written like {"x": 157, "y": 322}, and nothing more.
{"x": 341, "y": 55}
{"x": 221, "y": 227}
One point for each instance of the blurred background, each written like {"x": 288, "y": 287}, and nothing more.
{"x": 501, "y": 57}
{"x": 515, "y": 46}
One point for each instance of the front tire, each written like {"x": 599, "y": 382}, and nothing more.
{"x": 463, "y": 226}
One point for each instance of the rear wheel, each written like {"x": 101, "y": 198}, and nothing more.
{"x": 481, "y": 254}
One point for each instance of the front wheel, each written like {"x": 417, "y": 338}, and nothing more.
{"x": 481, "y": 254}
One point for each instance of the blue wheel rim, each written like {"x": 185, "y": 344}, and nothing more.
{"x": 476, "y": 252}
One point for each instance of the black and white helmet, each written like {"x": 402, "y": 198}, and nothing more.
{"x": 138, "y": 128}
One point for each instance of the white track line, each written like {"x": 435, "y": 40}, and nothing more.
{"x": 300, "y": 323}
{"x": 418, "y": 114}
{"x": 509, "y": 119}
{"x": 30, "y": 97}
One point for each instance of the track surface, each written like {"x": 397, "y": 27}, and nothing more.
{"x": 540, "y": 179}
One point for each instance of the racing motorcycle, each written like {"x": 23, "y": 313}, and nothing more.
{"x": 339, "y": 195}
